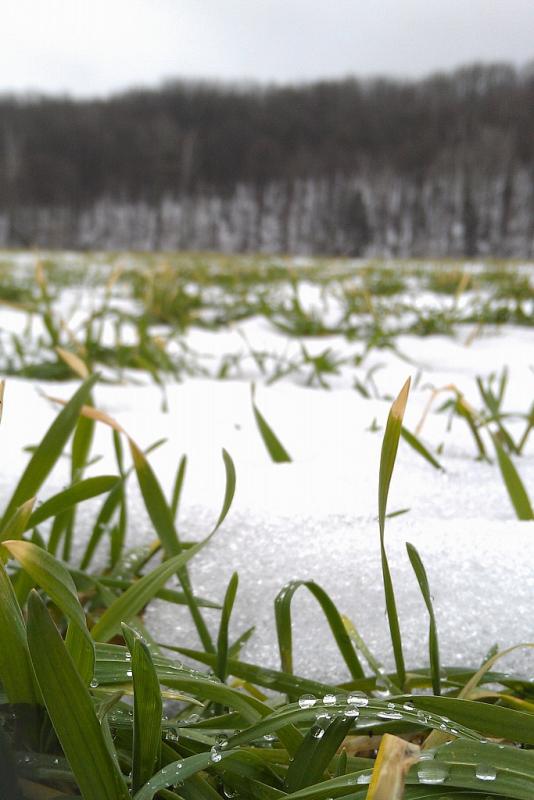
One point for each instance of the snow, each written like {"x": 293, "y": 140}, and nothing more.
{"x": 315, "y": 518}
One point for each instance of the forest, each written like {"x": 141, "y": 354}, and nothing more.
{"x": 437, "y": 167}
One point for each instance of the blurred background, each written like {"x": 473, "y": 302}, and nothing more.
{"x": 385, "y": 128}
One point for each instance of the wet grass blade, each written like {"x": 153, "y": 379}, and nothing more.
{"x": 388, "y": 455}
{"x": 433, "y": 646}
{"x": 148, "y": 709}
{"x": 71, "y": 710}
{"x": 316, "y": 752}
{"x": 274, "y": 446}
{"x": 514, "y": 485}
{"x": 49, "y": 449}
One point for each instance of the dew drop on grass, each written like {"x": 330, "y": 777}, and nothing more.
{"x": 329, "y": 699}
{"x": 269, "y": 737}
{"x": 357, "y": 699}
{"x": 215, "y": 755}
{"x": 94, "y": 683}
{"x": 364, "y": 778}
{"x": 432, "y": 773}
{"x": 307, "y": 701}
{"x": 485, "y": 772}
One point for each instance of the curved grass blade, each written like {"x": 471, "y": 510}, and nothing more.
{"x": 52, "y": 576}
{"x": 71, "y": 710}
{"x": 18, "y": 523}
{"x": 433, "y": 646}
{"x": 178, "y": 772}
{"x": 388, "y": 455}
{"x": 514, "y": 485}
{"x": 282, "y": 611}
{"x": 49, "y": 449}
{"x": 274, "y": 446}
{"x": 487, "y": 719}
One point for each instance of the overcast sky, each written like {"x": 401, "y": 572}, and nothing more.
{"x": 94, "y": 47}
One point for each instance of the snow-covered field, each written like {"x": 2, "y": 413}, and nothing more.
{"x": 315, "y": 518}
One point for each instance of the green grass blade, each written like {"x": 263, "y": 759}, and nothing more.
{"x": 77, "y": 493}
{"x": 221, "y": 669}
{"x": 127, "y": 605}
{"x": 514, "y": 485}
{"x": 18, "y": 523}
{"x": 16, "y": 673}
{"x": 71, "y": 710}
{"x": 148, "y": 710}
{"x": 388, "y": 455}
{"x": 177, "y": 772}
{"x": 178, "y": 486}
{"x": 274, "y": 446}
{"x": 418, "y": 446}
{"x": 433, "y": 646}
{"x": 316, "y": 752}
{"x": 49, "y": 449}
{"x": 488, "y": 720}
{"x": 52, "y": 576}
{"x": 282, "y": 611}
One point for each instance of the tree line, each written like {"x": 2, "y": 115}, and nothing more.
{"x": 440, "y": 166}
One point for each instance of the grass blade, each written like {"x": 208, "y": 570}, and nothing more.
{"x": 221, "y": 669}
{"x": 16, "y": 673}
{"x": 514, "y": 485}
{"x": 148, "y": 709}
{"x": 316, "y": 752}
{"x": 433, "y": 646}
{"x": 388, "y": 455}
{"x": 71, "y": 710}
{"x": 418, "y": 446}
{"x": 282, "y": 611}
{"x": 49, "y": 450}
{"x": 127, "y": 605}
{"x": 274, "y": 446}
{"x": 52, "y": 576}
{"x": 77, "y": 493}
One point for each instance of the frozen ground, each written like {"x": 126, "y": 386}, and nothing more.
{"x": 315, "y": 517}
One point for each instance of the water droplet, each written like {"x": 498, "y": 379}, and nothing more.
{"x": 432, "y": 773}
{"x": 366, "y": 778}
{"x": 129, "y": 673}
{"x": 221, "y": 741}
{"x": 352, "y": 712}
{"x": 389, "y": 715}
{"x": 215, "y": 756}
{"x": 409, "y": 707}
{"x": 357, "y": 699}
{"x": 94, "y": 683}
{"x": 270, "y": 737}
{"x": 329, "y": 699}
{"x": 307, "y": 701}
{"x": 485, "y": 772}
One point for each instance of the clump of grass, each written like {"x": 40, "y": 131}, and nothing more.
{"x": 91, "y": 706}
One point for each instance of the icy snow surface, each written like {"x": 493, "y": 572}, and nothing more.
{"x": 315, "y": 517}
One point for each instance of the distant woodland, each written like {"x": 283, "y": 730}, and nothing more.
{"x": 442, "y": 166}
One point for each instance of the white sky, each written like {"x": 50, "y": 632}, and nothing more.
{"x": 94, "y": 47}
